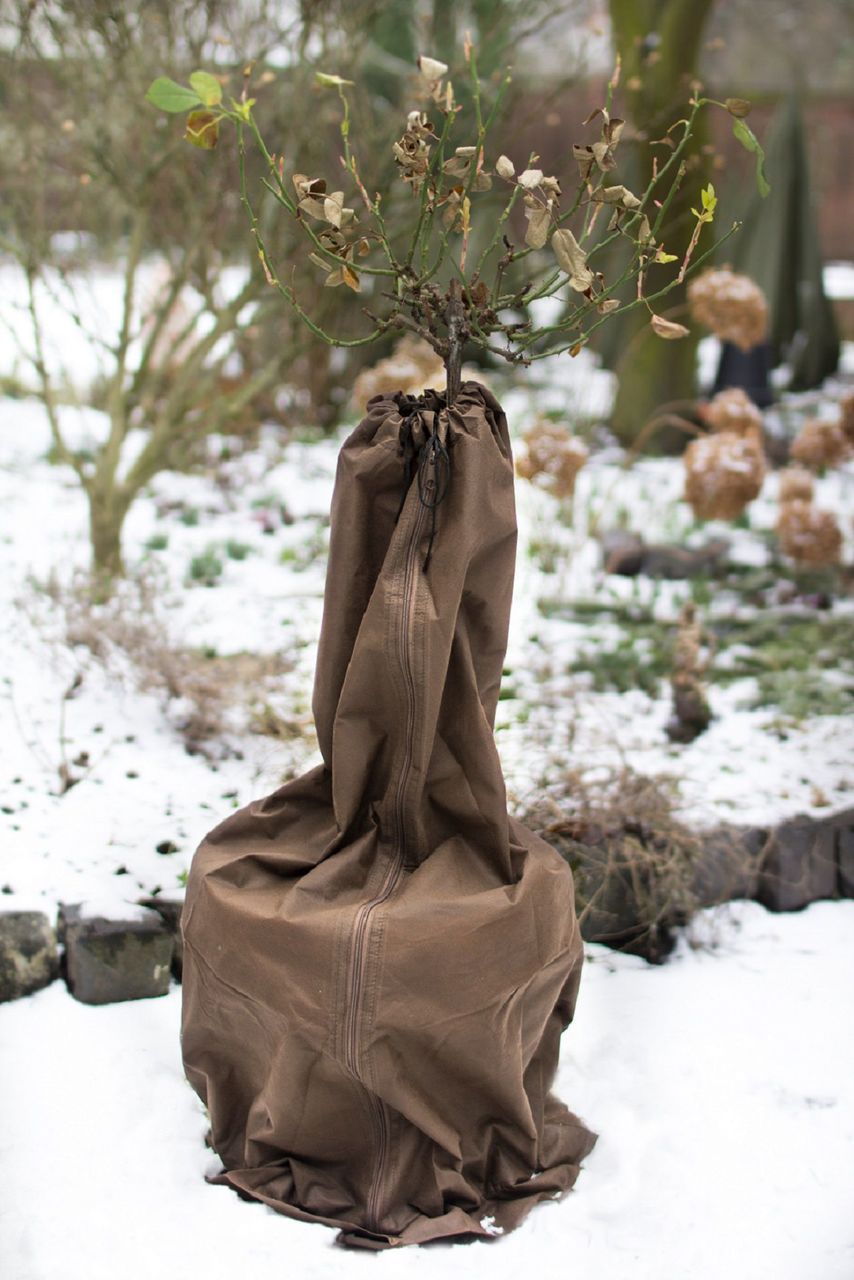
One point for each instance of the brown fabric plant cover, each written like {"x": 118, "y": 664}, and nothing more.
{"x": 379, "y": 961}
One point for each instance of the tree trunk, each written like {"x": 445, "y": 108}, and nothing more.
{"x": 659, "y": 43}
{"x": 107, "y": 512}
{"x": 456, "y": 339}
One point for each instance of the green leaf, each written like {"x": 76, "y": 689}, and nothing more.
{"x": 709, "y": 199}
{"x": 244, "y": 109}
{"x": 207, "y": 87}
{"x": 202, "y": 129}
{"x": 170, "y": 96}
{"x": 332, "y": 82}
{"x": 750, "y": 142}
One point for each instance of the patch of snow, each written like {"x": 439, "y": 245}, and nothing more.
{"x": 719, "y": 1084}
{"x": 839, "y": 280}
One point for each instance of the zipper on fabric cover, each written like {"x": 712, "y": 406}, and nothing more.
{"x": 361, "y": 926}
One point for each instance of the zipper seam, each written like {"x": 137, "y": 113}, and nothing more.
{"x": 359, "y": 948}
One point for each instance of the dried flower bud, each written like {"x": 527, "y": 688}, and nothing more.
{"x": 552, "y": 458}
{"x": 731, "y": 305}
{"x": 733, "y": 410}
{"x": 846, "y": 408}
{"x": 412, "y": 366}
{"x": 819, "y": 443}
{"x": 723, "y": 473}
{"x": 795, "y": 485}
{"x": 807, "y": 534}
{"x": 504, "y": 168}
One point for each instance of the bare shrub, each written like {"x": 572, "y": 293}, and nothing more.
{"x": 636, "y": 865}
{"x": 210, "y": 699}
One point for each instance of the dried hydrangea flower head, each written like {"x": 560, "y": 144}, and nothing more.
{"x": 731, "y": 305}
{"x": 412, "y": 366}
{"x": 820, "y": 442}
{"x": 796, "y": 485}
{"x": 723, "y": 473}
{"x": 552, "y": 458}
{"x": 733, "y": 410}
{"x": 846, "y": 421}
{"x": 808, "y": 535}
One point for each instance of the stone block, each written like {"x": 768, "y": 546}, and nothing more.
{"x": 845, "y": 855}
{"x": 798, "y": 864}
{"x": 112, "y": 960}
{"x": 169, "y": 910}
{"x": 728, "y": 865}
{"x": 29, "y": 959}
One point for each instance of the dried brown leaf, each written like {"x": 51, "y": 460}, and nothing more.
{"x": 539, "y": 220}
{"x": 616, "y": 195}
{"x": 668, "y": 328}
{"x": 431, "y": 69}
{"x": 571, "y": 259}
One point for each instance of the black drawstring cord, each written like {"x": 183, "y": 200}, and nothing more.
{"x": 433, "y": 454}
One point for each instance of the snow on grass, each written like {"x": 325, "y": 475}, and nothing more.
{"x": 138, "y": 789}
{"x": 720, "y": 1085}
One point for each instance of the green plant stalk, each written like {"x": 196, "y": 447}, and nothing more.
{"x": 636, "y": 302}
{"x": 279, "y": 192}
{"x": 273, "y": 278}
{"x": 433, "y": 168}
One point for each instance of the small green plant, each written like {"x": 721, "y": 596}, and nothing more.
{"x": 639, "y": 659}
{"x": 190, "y": 517}
{"x": 546, "y": 554}
{"x": 157, "y": 542}
{"x": 206, "y": 568}
{"x": 308, "y": 553}
{"x": 237, "y": 550}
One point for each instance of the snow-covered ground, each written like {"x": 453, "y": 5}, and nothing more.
{"x": 721, "y": 1085}
{"x": 136, "y": 786}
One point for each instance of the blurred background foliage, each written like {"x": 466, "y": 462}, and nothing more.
{"x": 91, "y": 174}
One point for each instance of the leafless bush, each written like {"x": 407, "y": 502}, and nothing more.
{"x": 210, "y": 699}
{"x": 639, "y": 870}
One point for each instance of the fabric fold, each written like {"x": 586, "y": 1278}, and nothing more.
{"x": 379, "y": 961}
